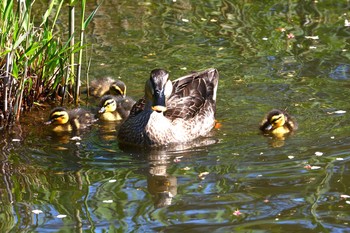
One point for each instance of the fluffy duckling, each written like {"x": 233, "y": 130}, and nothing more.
{"x": 115, "y": 108}
{"x": 65, "y": 121}
{"x": 278, "y": 123}
{"x": 107, "y": 85}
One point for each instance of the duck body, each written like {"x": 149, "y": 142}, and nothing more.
{"x": 114, "y": 108}
{"x": 278, "y": 123}
{"x": 107, "y": 86}
{"x": 172, "y": 112}
{"x": 63, "y": 120}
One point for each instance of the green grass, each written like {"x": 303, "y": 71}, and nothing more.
{"x": 36, "y": 64}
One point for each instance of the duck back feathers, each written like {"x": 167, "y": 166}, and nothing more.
{"x": 189, "y": 110}
{"x": 191, "y": 93}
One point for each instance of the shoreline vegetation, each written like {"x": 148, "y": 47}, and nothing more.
{"x": 36, "y": 64}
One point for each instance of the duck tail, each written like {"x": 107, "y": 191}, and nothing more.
{"x": 212, "y": 80}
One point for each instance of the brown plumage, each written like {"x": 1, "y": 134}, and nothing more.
{"x": 107, "y": 86}
{"x": 172, "y": 112}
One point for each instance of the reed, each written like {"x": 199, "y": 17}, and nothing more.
{"x": 36, "y": 64}
{"x": 83, "y": 25}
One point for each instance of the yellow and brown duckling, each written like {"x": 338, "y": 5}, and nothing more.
{"x": 278, "y": 123}
{"x": 106, "y": 86}
{"x": 114, "y": 108}
{"x": 172, "y": 111}
{"x": 69, "y": 120}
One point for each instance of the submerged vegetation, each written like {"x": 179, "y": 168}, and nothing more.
{"x": 36, "y": 64}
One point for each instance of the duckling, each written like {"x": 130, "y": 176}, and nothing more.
{"x": 278, "y": 123}
{"x": 65, "y": 121}
{"x": 107, "y": 85}
{"x": 115, "y": 108}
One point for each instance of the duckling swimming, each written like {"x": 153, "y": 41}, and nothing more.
{"x": 106, "y": 86}
{"x": 65, "y": 121}
{"x": 115, "y": 108}
{"x": 172, "y": 112}
{"x": 278, "y": 123}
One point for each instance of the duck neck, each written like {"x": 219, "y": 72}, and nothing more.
{"x": 148, "y": 106}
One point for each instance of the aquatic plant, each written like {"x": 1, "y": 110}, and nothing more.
{"x": 36, "y": 64}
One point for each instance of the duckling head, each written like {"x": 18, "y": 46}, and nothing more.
{"x": 118, "y": 88}
{"x": 275, "y": 119}
{"x": 157, "y": 90}
{"x": 58, "y": 116}
{"x": 109, "y": 104}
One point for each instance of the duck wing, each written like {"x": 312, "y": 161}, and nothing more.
{"x": 191, "y": 93}
{"x": 138, "y": 107}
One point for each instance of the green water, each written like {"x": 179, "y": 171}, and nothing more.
{"x": 91, "y": 185}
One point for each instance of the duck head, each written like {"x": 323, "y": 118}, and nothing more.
{"x": 276, "y": 119}
{"x": 108, "y": 105}
{"x": 58, "y": 116}
{"x": 157, "y": 90}
{"x": 118, "y": 88}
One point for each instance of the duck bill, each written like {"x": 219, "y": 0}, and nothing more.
{"x": 159, "y": 108}
{"x": 102, "y": 110}
{"x": 159, "y": 103}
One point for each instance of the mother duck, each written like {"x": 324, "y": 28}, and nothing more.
{"x": 172, "y": 112}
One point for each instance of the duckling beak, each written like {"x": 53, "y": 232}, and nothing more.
{"x": 48, "y": 122}
{"x": 268, "y": 127}
{"x": 102, "y": 110}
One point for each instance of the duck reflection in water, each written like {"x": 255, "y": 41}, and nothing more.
{"x": 161, "y": 185}
{"x": 278, "y": 124}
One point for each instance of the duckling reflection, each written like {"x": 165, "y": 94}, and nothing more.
{"x": 107, "y": 130}
{"x": 161, "y": 185}
{"x": 278, "y": 124}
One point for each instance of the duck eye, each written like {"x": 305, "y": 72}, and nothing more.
{"x": 108, "y": 103}
{"x": 158, "y": 92}
{"x": 273, "y": 120}
{"x": 57, "y": 116}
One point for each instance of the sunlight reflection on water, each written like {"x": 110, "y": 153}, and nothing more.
{"x": 200, "y": 187}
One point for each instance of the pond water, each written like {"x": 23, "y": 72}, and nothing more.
{"x": 270, "y": 54}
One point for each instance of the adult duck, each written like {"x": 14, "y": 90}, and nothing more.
{"x": 172, "y": 112}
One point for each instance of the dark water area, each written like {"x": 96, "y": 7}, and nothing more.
{"x": 290, "y": 55}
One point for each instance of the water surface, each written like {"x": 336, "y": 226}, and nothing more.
{"x": 270, "y": 54}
